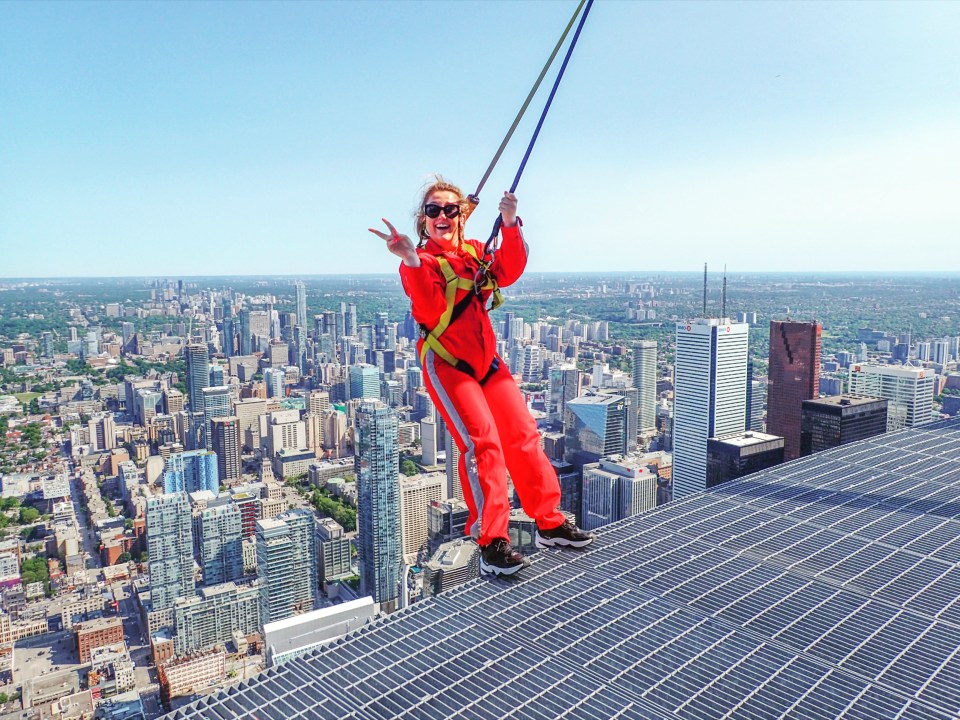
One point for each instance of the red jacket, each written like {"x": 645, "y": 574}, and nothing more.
{"x": 470, "y": 337}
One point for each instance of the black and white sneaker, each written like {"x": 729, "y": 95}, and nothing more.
{"x": 565, "y": 535}
{"x": 500, "y": 558}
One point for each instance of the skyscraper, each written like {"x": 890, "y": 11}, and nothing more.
{"x": 364, "y": 381}
{"x": 287, "y": 564}
{"x": 301, "y": 304}
{"x": 710, "y": 394}
{"x": 229, "y": 327}
{"x": 216, "y": 403}
{"x": 794, "y": 377}
{"x": 644, "y": 366}
{"x": 416, "y": 494}
{"x": 564, "y": 386}
{"x": 225, "y": 441}
{"x": 614, "y": 489}
{"x": 198, "y": 374}
{"x": 191, "y": 471}
{"x": 244, "y": 343}
{"x": 378, "y": 502}
{"x": 908, "y": 389}
{"x": 832, "y": 421}
{"x": 733, "y": 456}
{"x": 170, "y": 548}
{"x": 219, "y": 539}
{"x": 594, "y": 426}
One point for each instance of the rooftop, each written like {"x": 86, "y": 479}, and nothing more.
{"x": 827, "y": 587}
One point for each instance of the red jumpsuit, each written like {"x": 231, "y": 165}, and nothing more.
{"x": 490, "y": 422}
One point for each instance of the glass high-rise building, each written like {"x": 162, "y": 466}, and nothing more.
{"x": 833, "y": 421}
{"x": 287, "y": 564}
{"x": 364, "y": 381}
{"x": 301, "y": 304}
{"x": 909, "y": 391}
{"x": 219, "y": 541}
{"x": 198, "y": 374}
{"x": 376, "y": 463}
{"x": 594, "y": 426}
{"x": 229, "y": 327}
{"x": 644, "y": 367}
{"x": 191, "y": 471}
{"x": 170, "y": 548}
{"x": 244, "y": 344}
{"x": 794, "y": 376}
{"x": 216, "y": 403}
{"x": 710, "y": 394}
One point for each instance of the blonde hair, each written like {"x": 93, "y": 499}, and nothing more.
{"x": 440, "y": 185}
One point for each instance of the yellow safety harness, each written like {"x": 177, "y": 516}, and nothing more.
{"x": 483, "y": 281}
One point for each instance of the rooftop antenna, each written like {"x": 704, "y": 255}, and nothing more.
{"x": 704, "y": 290}
{"x": 723, "y": 297}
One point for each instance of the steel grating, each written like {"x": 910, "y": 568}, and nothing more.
{"x": 828, "y": 587}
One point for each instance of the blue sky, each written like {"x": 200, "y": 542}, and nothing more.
{"x": 264, "y": 138}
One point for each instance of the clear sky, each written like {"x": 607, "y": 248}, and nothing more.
{"x": 199, "y": 138}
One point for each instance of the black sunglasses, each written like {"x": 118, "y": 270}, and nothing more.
{"x": 432, "y": 210}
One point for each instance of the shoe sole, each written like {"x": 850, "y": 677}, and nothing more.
{"x": 542, "y": 542}
{"x": 497, "y": 570}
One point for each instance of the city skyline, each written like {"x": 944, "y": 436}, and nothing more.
{"x": 773, "y": 136}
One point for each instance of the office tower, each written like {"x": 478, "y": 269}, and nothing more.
{"x": 348, "y": 319}
{"x": 644, "y": 367}
{"x": 710, "y": 394}
{"x": 832, "y": 421}
{"x": 198, "y": 375}
{"x": 416, "y": 494}
{"x": 378, "y": 498}
{"x": 333, "y": 550}
{"x": 794, "y": 376}
{"x": 565, "y": 383}
{"x": 446, "y": 521}
{"x": 454, "y": 485}
{"x": 170, "y": 548}
{"x": 733, "y": 456}
{"x": 940, "y": 351}
{"x": 318, "y": 402}
{"x": 229, "y": 328}
{"x": 273, "y": 378}
{"x": 225, "y": 437}
{"x": 248, "y": 412}
{"x": 219, "y": 533}
{"x": 301, "y": 303}
{"x": 631, "y": 398}
{"x": 428, "y": 441}
{"x": 216, "y": 375}
{"x": 103, "y": 432}
{"x": 616, "y": 488}
{"x": 364, "y": 382}
{"x": 282, "y": 430}
{"x": 216, "y": 403}
{"x": 909, "y": 391}
{"x": 414, "y": 377}
{"x": 286, "y": 564}
{"x": 245, "y": 332}
{"x": 594, "y": 426}
{"x": 380, "y": 339}
{"x": 191, "y": 471}
{"x": 756, "y": 400}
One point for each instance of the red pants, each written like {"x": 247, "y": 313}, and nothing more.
{"x": 495, "y": 432}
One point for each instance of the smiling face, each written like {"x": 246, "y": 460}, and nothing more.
{"x": 441, "y": 229}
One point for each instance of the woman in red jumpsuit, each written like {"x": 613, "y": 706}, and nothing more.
{"x": 477, "y": 397}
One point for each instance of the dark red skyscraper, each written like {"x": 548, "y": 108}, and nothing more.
{"x": 794, "y": 376}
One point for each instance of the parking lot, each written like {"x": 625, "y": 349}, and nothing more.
{"x": 44, "y": 654}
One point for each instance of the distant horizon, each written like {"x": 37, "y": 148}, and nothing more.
{"x": 530, "y": 273}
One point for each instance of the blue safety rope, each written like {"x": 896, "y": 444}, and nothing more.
{"x": 526, "y": 156}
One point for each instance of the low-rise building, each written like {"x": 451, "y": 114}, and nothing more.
{"x": 189, "y": 675}
{"x": 94, "y": 633}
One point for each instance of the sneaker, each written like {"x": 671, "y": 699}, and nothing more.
{"x": 499, "y": 558}
{"x": 565, "y": 535}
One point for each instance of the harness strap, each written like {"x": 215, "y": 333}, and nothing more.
{"x": 431, "y": 338}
